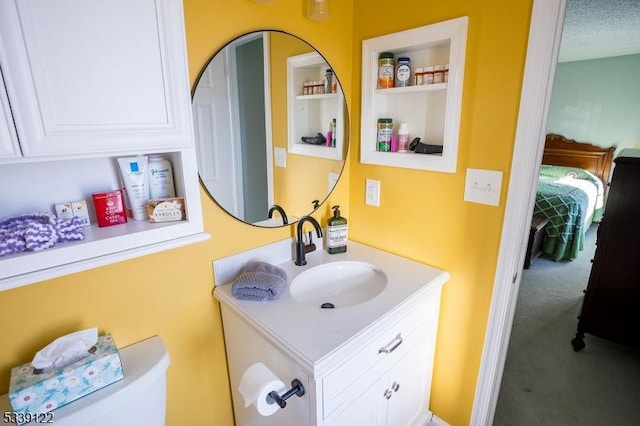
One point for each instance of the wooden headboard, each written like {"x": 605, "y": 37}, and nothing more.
{"x": 560, "y": 151}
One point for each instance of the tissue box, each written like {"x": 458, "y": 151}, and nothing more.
{"x": 31, "y": 393}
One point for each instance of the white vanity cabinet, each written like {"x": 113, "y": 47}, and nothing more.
{"x": 95, "y": 77}
{"x": 84, "y": 83}
{"x": 366, "y": 364}
{"x": 383, "y": 379}
{"x": 389, "y": 380}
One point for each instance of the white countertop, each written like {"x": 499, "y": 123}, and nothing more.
{"x": 312, "y": 334}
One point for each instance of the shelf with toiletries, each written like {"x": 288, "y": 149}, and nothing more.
{"x": 430, "y": 108}
{"x": 75, "y": 180}
{"x": 315, "y": 108}
{"x": 62, "y": 130}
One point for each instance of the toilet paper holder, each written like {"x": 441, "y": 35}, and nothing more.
{"x": 296, "y": 389}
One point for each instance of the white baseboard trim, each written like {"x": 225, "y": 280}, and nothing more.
{"x": 437, "y": 421}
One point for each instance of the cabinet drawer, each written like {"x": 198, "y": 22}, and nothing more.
{"x": 379, "y": 354}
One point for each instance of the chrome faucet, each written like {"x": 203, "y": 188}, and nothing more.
{"x": 275, "y": 207}
{"x": 301, "y": 247}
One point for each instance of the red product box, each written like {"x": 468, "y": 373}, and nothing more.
{"x": 110, "y": 208}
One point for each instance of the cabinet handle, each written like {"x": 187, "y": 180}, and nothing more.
{"x": 388, "y": 394}
{"x": 391, "y": 346}
{"x": 395, "y": 386}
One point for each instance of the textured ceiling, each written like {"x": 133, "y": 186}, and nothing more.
{"x": 599, "y": 29}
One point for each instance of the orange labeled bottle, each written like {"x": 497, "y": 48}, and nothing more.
{"x": 386, "y": 70}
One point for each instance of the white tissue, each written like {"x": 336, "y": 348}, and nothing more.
{"x": 255, "y": 384}
{"x": 65, "y": 350}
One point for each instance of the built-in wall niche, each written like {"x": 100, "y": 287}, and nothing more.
{"x": 62, "y": 128}
{"x": 431, "y": 111}
{"x": 311, "y": 113}
{"x": 59, "y": 181}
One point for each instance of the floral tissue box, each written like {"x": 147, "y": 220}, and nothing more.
{"x": 31, "y": 394}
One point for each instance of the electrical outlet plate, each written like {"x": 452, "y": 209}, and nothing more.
{"x": 372, "y": 192}
{"x": 281, "y": 157}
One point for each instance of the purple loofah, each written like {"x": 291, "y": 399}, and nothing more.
{"x": 37, "y": 231}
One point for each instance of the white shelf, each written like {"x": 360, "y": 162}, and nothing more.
{"x": 322, "y": 96}
{"x": 412, "y": 89}
{"x": 71, "y": 124}
{"x": 432, "y": 111}
{"x": 308, "y": 115}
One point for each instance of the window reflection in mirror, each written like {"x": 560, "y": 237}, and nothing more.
{"x": 241, "y": 115}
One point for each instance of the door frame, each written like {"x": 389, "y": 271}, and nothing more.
{"x": 545, "y": 33}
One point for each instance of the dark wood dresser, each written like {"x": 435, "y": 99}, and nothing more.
{"x": 612, "y": 299}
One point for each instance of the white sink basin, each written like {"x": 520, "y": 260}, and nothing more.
{"x": 338, "y": 284}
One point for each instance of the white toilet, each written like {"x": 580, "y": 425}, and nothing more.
{"x": 137, "y": 400}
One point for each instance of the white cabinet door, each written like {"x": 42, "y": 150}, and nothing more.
{"x": 9, "y": 147}
{"x": 399, "y": 397}
{"x": 86, "y": 77}
{"x": 368, "y": 410}
{"x": 407, "y": 389}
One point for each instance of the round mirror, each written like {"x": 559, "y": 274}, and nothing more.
{"x": 271, "y": 128}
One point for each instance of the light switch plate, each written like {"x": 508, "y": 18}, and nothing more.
{"x": 281, "y": 157}
{"x": 483, "y": 186}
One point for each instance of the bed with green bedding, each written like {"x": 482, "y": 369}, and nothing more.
{"x": 571, "y": 198}
{"x": 571, "y": 193}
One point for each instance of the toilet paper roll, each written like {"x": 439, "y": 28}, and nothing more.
{"x": 256, "y": 383}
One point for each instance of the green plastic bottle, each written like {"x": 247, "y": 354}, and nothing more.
{"x": 337, "y": 232}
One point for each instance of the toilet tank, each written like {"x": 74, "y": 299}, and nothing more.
{"x": 138, "y": 399}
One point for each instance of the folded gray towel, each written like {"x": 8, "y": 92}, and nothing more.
{"x": 259, "y": 281}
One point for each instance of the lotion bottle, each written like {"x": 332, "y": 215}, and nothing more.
{"x": 160, "y": 178}
{"x": 337, "y": 232}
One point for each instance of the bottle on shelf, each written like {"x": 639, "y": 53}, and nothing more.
{"x": 438, "y": 74}
{"x": 386, "y": 70}
{"x": 403, "y": 72}
{"x": 418, "y": 75}
{"x": 160, "y": 177}
{"x": 328, "y": 81}
{"x": 427, "y": 76}
{"x": 385, "y": 130}
{"x": 403, "y": 138}
{"x": 333, "y": 133}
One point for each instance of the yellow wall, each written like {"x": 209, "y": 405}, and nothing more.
{"x": 169, "y": 293}
{"x": 422, "y": 214}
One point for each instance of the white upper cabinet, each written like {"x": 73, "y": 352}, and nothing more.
{"x": 9, "y": 147}
{"x": 83, "y": 84}
{"x": 85, "y": 77}
{"x": 431, "y": 111}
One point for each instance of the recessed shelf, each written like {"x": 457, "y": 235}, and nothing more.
{"x": 308, "y": 115}
{"x": 412, "y": 89}
{"x": 322, "y": 96}
{"x": 432, "y": 111}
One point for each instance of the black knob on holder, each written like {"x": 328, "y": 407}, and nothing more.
{"x": 296, "y": 389}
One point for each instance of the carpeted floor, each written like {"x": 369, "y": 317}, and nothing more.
{"x": 545, "y": 382}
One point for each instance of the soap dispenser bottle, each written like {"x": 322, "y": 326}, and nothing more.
{"x": 336, "y": 232}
